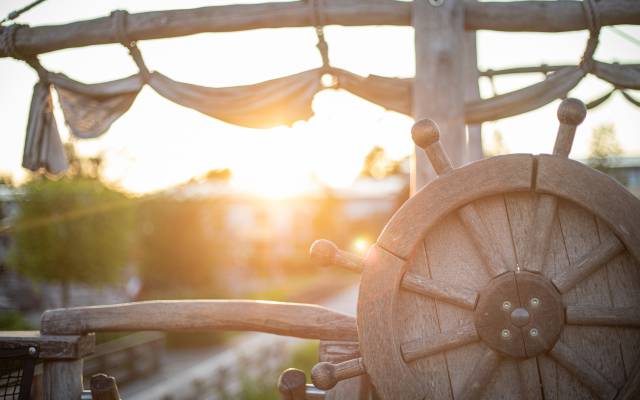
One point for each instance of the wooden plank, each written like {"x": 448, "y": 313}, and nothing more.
{"x": 438, "y": 88}
{"x": 50, "y": 347}
{"x": 532, "y": 16}
{"x": 594, "y": 191}
{"x": 377, "y": 325}
{"x": 472, "y": 93}
{"x": 521, "y": 210}
{"x": 483, "y": 371}
{"x": 624, "y": 282}
{"x": 442, "y": 291}
{"x": 416, "y": 318}
{"x": 464, "y": 267}
{"x": 62, "y": 380}
{"x": 597, "y": 345}
{"x": 340, "y": 351}
{"x": 290, "y": 319}
{"x": 409, "y": 225}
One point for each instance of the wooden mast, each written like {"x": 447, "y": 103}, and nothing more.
{"x": 438, "y": 91}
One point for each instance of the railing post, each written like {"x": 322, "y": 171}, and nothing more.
{"x": 62, "y": 379}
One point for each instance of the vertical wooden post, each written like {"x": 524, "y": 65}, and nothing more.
{"x": 472, "y": 92}
{"x": 439, "y": 86}
{"x": 62, "y": 379}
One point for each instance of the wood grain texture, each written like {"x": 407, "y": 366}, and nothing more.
{"x": 603, "y": 316}
{"x": 538, "y": 244}
{"x": 589, "y": 376}
{"x": 477, "y": 383}
{"x": 588, "y": 264}
{"x": 442, "y": 291}
{"x": 594, "y": 191}
{"x": 290, "y": 319}
{"x": 484, "y": 240}
{"x": 339, "y": 351}
{"x": 62, "y": 380}
{"x": 430, "y": 345}
{"x": 376, "y": 301}
{"x": 66, "y": 347}
{"x": 438, "y": 89}
{"x": 404, "y": 231}
{"x": 326, "y": 375}
{"x": 516, "y": 16}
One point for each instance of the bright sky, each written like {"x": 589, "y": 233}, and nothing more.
{"x": 158, "y": 143}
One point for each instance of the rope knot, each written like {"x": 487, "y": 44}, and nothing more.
{"x": 593, "y": 24}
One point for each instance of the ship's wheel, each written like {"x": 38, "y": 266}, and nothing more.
{"x": 514, "y": 277}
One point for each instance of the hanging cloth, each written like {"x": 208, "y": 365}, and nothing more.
{"x": 624, "y": 76}
{"x": 42, "y": 145}
{"x": 280, "y": 101}
{"x": 555, "y": 86}
{"x": 391, "y": 93}
{"x": 89, "y": 110}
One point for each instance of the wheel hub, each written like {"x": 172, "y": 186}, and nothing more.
{"x": 519, "y": 314}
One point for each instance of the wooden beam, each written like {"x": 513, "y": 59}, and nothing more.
{"x": 68, "y": 347}
{"x": 534, "y": 16}
{"x": 290, "y": 319}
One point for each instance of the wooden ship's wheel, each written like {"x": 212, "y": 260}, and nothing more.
{"x": 514, "y": 277}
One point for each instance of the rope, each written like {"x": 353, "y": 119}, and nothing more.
{"x": 15, "y": 14}
{"x": 120, "y": 18}
{"x": 322, "y": 45}
{"x": 8, "y": 41}
{"x": 593, "y": 24}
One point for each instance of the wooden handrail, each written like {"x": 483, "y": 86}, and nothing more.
{"x": 290, "y": 319}
{"x": 533, "y": 16}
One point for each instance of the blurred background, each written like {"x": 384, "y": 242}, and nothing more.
{"x": 171, "y": 204}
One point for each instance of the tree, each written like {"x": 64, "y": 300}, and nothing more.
{"x": 377, "y": 164}
{"x": 604, "y": 146}
{"x": 73, "y": 229}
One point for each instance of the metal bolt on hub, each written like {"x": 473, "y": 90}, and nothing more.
{"x": 533, "y": 332}
{"x": 506, "y": 305}
{"x": 32, "y": 351}
{"x": 535, "y": 302}
{"x": 505, "y": 334}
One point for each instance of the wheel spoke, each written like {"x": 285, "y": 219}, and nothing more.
{"x": 481, "y": 375}
{"x": 484, "y": 241}
{"x": 325, "y": 375}
{"x": 585, "y": 373}
{"x": 588, "y": 264}
{"x": 604, "y": 316}
{"x": 425, "y": 347}
{"x": 542, "y": 224}
{"x": 326, "y": 253}
{"x": 439, "y": 290}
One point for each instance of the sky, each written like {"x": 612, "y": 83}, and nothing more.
{"x": 158, "y": 143}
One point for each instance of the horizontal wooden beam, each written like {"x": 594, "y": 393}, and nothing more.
{"x": 534, "y": 16}
{"x": 66, "y": 347}
{"x": 289, "y": 319}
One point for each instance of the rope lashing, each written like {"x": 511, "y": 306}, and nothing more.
{"x": 593, "y": 24}
{"x": 120, "y": 19}
{"x": 322, "y": 45}
{"x": 8, "y": 41}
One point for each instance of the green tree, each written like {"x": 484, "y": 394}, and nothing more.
{"x": 72, "y": 229}
{"x": 378, "y": 165}
{"x": 604, "y": 146}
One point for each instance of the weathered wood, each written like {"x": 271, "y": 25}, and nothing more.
{"x": 62, "y": 380}
{"x": 589, "y": 376}
{"x": 442, "y": 291}
{"x": 603, "y": 316}
{"x": 571, "y": 113}
{"x": 376, "y": 301}
{"x": 591, "y": 262}
{"x": 514, "y": 16}
{"x": 292, "y": 384}
{"x": 479, "y": 379}
{"x": 472, "y": 93}
{"x": 326, "y": 253}
{"x": 50, "y": 347}
{"x": 357, "y": 388}
{"x": 326, "y": 375}
{"x": 484, "y": 240}
{"x": 103, "y": 387}
{"x": 291, "y": 319}
{"x": 438, "y": 89}
{"x": 428, "y": 346}
{"x": 509, "y": 173}
{"x": 594, "y": 191}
